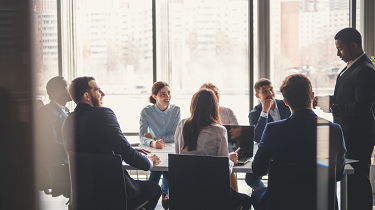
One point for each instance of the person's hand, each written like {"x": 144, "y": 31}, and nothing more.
{"x": 143, "y": 151}
{"x": 148, "y": 135}
{"x": 267, "y": 104}
{"x": 233, "y": 157}
{"x": 158, "y": 144}
{"x": 315, "y": 102}
{"x": 154, "y": 159}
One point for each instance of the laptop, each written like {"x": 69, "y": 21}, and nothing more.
{"x": 241, "y": 136}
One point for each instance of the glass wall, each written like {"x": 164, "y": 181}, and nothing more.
{"x": 205, "y": 41}
{"x": 302, "y": 41}
{"x": 45, "y": 44}
{"x": 115, "y": 47}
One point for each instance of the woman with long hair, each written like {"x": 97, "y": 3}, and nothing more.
{"x": 158, "y": 124}
{"x": 227, "y": 117}
{"x": 203, "y": 134}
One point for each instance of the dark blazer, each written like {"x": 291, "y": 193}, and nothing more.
{"x": 96, "y": 130}
{"x": 50, "y": 119}
{"x": 260, "y": 122}
{"x": 352, "y": 101}
{"x": 294, "y": 139}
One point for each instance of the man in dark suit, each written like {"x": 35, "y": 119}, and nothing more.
{"x": 92, "y": 128}
{"x": 268, "y": 110}
{"x": 351, "y": 106}
{"x": 295, "y": 138}
{"x": 50, "y": 119}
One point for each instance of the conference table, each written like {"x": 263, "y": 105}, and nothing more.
{"x": 246, "y": 168}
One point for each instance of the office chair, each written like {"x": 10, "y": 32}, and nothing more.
{"x": 97, "y": 182}
{"x": 293, "y": 185}
{"x": 198, "y": 182}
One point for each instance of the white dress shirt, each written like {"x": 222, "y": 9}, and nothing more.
{"x": 275, "y": 114}
{"x": 227, "y": 116}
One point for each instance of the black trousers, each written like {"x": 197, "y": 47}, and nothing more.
{"x": 238, "y": 199}
{"x": 150, "y": 191}
{"x": 359, "y": 187}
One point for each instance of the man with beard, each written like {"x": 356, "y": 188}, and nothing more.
{"x": 352, "y": 108}
{"x": 268, "y": 110}
{"x": 92, "y": 128}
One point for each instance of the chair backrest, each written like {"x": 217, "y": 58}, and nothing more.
{"x": 97, "y": 181}
{"x": 198, "y": 182}
{"x": 294, "y": 185}
{"x": 291, "y": 185}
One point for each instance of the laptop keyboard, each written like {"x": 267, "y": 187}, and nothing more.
{"x": 244, "y": 159}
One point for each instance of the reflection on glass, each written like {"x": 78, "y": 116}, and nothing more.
{"x": 302, "y": 40}
{"x": 44, "y": 43}
{"x": 115, "y": 47}
{"x": 201, "y": 41}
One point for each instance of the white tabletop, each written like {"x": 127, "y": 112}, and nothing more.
{"x": 169, "y": 148}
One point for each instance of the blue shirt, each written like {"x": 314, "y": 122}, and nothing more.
{"x": 161, "y": 124}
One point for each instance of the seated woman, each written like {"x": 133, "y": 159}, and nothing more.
{"x": 203, "y": 134}
{"x": 227, "y": 117}
{"x": 158, "y": 124}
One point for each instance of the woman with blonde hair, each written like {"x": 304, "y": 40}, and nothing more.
{"x": 203, "y": 134}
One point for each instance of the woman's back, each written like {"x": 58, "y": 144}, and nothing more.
{"x": 212, "y": 140}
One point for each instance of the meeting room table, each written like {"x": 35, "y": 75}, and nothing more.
{"x": 246, "y": 168}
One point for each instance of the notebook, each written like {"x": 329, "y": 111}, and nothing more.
{"x": 241, "y": 136}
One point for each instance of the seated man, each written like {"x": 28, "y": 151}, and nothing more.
{"x": 268, "y": 110}
{"x": 92, "y": 128}
{"x": 294, "y": 138}
{"x": 50, "y": 119}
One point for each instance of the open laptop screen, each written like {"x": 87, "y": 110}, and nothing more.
{"x": 241, "y": 136}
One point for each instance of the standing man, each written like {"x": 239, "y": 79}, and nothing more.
{"x": 268, "y": 110}
{"x": 92, "y": 128}
{"x": 351, "y": 106}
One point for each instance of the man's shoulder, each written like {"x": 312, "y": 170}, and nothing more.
{"x": 257, "y": 108}
{"x": 93, "y": 110}
{"x": 101, "y": 110}
{"x": 50, "y": 108}
{"x": 282, "y": 122}
{"x": 364, "y": 64}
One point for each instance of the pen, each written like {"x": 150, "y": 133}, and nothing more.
{"x": 238, "y": 149}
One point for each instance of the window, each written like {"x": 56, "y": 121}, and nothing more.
{"x": 186, "y": 67}
{"x": 313, "y": 55}
{"x": 125, "y": 78}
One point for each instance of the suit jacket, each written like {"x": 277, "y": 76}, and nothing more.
{"x": 50, "y": 119}
{"x": 294, "y": 139}
{"x": 352, "y": 101}
{"x": 261, "y": 122}
{"x": 96, "y": 130}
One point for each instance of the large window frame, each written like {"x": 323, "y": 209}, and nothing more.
{"x": 263, "y": 28}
